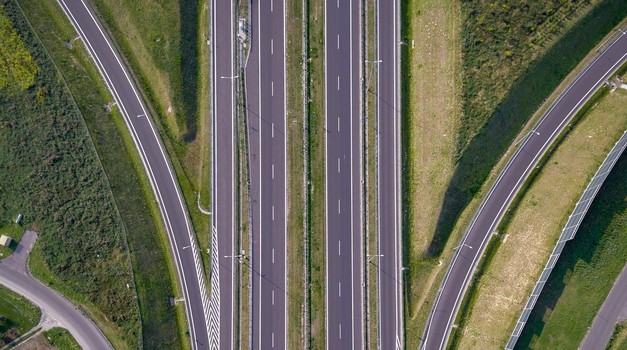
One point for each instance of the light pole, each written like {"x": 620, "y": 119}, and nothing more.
{"x": 233, "y": 77}
{"x": 372, "y": 256}
{"x": 462, "y": 245}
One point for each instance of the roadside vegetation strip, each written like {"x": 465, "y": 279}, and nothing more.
{"x": 516, "y": 257}
{"x": 17, "y": 316}
{"x": 61, "y": 339}
{"x": 431, "y": 107}
{"x": 316, "y": 184}
{"x": 165, "y": 45}
{"x": 61, "y": 187}
{"x": 618, "y": 341}
{"x": 585, "y": 271}
{"x": 153, "y": 270}
{"x": 295, "y": 175}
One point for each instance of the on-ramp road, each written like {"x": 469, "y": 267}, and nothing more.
{"x": 223, "y": 257}
{"x": 507, "y": 185}
{"x": 155, "y": 161}
{"x": 15, "y": 276}
{"x": 343, "y": 125}
{"x": 265, "y": 95}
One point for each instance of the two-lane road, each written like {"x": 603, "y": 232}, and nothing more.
{"x": 507, "y": 185}
{"x": 389, "y": 272}
{"x": 223, "y": 203}
{"x": 344, "y": 243}
{"x": 156, "y": 164}
{"x": 266, "y": 84}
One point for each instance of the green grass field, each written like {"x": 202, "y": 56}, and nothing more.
{"x": 585, "y": 272}
{"x": 50, "y": 171}
{"x": 154, "y": 276}
{"x": 17, "y": 316}
{"x": 61, "y": 338}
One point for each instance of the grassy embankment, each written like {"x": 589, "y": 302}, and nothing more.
{"x": 529, "y": 232}
{"x": 370, "y": 168}
{"x": 618, "y": 341}
{"x": 316, "y": 215}
{"x": 61, "y": 339}
{"x": 165, "y": 44}
{"x": 17, "y": 316}
{"x": 589, "y": 264}
{"x": 49, "y": 170}
{"x": 147, "y": 242}
{"x": 509, "y": 68}
{"x": 295, "y": 175}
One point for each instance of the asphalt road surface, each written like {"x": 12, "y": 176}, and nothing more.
{"x": 389, "y": 273}
{"x": 224, "y": 79}
{"x": 15, "y": 276}
{"x": 518, "y": 168}
{"x": 613, "y": 311}
{"x": 265, "y": 93}
{"x": 344, "y": 246}
{"x": 155, "y": 161}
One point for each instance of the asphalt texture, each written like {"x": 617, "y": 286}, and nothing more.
{"x": 223, "y": 166}
{"x": 15, "y": 276}
{"x": 507, "y": 185}
{"x": 344, "y": 245}
{"x": 613, "y": 311}
{"x": 388, "y": 261}
{"x": 156, "y": 164}
{"x": 265, "y": 95}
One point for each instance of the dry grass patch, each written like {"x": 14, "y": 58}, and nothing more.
{"x": 527, "y": 241}
{"x": 432, "y": 111}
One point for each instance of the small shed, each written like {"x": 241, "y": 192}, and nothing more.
{"x": 5, "y": 240}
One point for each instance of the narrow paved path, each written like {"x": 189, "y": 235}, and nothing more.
{"x": 15, "y": 276}
{"x": 613, "y": 311}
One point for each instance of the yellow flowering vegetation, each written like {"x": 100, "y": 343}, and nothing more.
{"x": 17, "y": 67}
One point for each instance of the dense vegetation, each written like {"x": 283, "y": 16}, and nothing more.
{"x": 146, "y": 239}
{"x": 61, "y": 339}
{"x": 49, "y": 171}
{"x": 17, "y": 69}
{"x": 585, "y": 272}
{"x": 17, "y": 316}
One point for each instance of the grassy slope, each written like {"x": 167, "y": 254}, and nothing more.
{"x": 500, "y": 293}
{"x": 61, "y": 338}
{"x": 137, "y": 209}
{"x": 16, "y": 312}
{"x": 165, "y": 44}
{"x": 585, "y": 272}
{"x": 619, "y": 338}
{"x": 316, "y": 172}
{"x": 476, "y": 166}
{"x": 295, "y": 119}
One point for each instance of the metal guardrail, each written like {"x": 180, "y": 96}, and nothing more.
{"x": 568, "y": 233}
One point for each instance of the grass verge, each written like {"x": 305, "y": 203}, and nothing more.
{"x": 61, "y": 339}
{"x": 17, "y": 316}
{"x": 316, "y": 188}
{"x": 619, "y": 338}
{"x": 508, "y": 274}
{"x": 153, "y": 271}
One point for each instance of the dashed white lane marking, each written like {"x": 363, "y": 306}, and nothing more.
{"x": 272, "y": 130}
{"x": 273, "y": 171}
{"x": 338, "y": 3}
{"x": 273, "y": 213}
{"x": 338, "y": 41}
{"x": 273, "y": 297}
{"x": 338, "y": 83}
{"x": 338, "y": 124}
{"x": 339, "y": 247}
{"x": 273, "y": 261}
{"x": 339, "y": 289}
{"x": 338, "y": 165}
{"x": 272, "y": 88}
{"x": 340, "y": 331}
{"x": 272, "y": 46}
{"x": 272, "y": 10}
{"x": 272, "y": 339}
{"x": 339, "y": 206}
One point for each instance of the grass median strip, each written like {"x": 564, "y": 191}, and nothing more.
{"x": 508, "y": 273}
{"x": 147, "y": 242}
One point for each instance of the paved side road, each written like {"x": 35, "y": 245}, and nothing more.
{"x": 15, "y": 276}
{"x": 613, "y": 311}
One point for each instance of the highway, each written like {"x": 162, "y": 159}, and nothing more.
{"x": 343, "y": 125}
{"x": 15, "y": 276}
{"x": 613, "y": 311}
{"x": 223, "y": 256}
{"x": 389, "y": 271}
{"x": 507, "y": 185}
{"x": 265, "y": 99}
{"x": 155, "y": 160}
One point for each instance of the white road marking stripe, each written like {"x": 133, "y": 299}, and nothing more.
{"x": 338, "y": 165}
{"x": 273, "y": 297}
{"x": 338, "y": 83}
{"x": 272, "y": 46}
{"x": 339, "y": 247}
{"x": 339, "y": 206}
{"x": 271, "y": 5}
{"x": 273, "y": 263}
{"x": 338, "y": 41}
{"x": 273, "y": 171}
{"x": 273, "y": 213}
{"x": 340, "y": 331}
{"x": 272, "y": 88}
{"x": 338, "y": 124}
{"x": 272, "y": 130}
{"x": 272, "y": 339}
{"x": 339, "y": 289}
